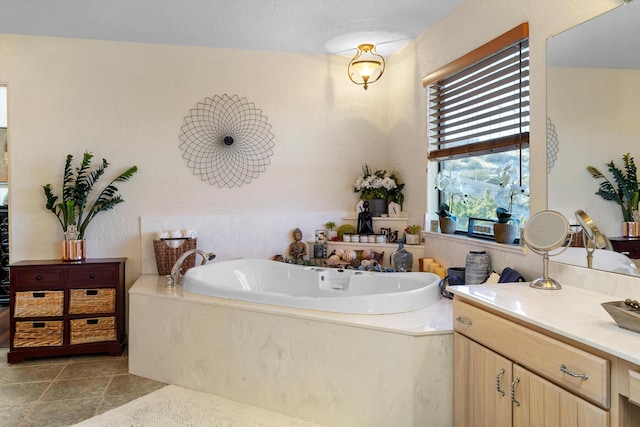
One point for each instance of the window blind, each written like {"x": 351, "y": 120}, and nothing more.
{"x": 484, "y": 107}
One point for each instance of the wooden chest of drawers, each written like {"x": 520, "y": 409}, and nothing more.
{"x": 60, "y": 308}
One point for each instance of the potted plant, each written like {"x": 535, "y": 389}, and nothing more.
{"x": 413, "y": 234}
{"x": 333, "y": 235}
{"x": 379, "y": 188}
{"x": 625, "y": 192}
{"x": 506, "y": 229}
{"x": 448, "y": 221}
{"x": 74, "y": 208}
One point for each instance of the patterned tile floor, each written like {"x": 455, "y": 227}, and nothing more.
{"x": 63, "y": 391}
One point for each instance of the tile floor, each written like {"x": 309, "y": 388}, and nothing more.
{"x": 62, "y": 391}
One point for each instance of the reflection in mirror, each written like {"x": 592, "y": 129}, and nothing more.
{"x": 593, "y": 87}
{"x": 547, "y": 231}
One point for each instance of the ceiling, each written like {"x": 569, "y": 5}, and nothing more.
{"x": 300, "y": 26}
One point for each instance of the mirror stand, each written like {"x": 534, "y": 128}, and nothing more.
{"x": 547, "y": 231}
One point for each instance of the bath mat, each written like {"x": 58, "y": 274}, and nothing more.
{"x": 177, "y": 406}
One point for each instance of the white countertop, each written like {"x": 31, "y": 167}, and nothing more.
{"x": 572, "y": 312}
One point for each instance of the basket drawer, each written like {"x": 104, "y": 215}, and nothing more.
{"x": 91, "y": 301}
{"x": 97, "y": 329}
{"x": 38, "y": 303}
{"x": 38, "y": 334}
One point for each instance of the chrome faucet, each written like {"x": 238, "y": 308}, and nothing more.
{"x": 175, "y": 277}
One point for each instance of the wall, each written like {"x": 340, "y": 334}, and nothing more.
{"x": 126, "y": 102}
{"x": 469, "y": 26}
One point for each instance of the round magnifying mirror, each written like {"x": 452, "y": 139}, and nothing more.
{"x": 590, "y": 230}
{"x": 546, "y": 231}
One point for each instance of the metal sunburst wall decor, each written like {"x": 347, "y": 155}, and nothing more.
{"x": 227, "y": 141}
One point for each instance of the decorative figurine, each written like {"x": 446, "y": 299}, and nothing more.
{"x": 297, "y": 249}
{"x": 365, "y": 220}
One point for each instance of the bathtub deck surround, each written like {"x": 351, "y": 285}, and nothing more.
{"x": 327, "y": 368}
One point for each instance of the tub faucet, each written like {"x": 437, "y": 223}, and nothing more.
{"x": 175, "y": 277}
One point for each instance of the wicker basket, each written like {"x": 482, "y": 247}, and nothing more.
{"x": 91, "y": 301}
{"x": 38, "y": 334}
{"x": 167, "y": 256}
{"x": 98, "y": 329}
{"x": 38, "y": 303}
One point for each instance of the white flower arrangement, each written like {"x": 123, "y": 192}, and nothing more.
{"x": 380, "y": 184}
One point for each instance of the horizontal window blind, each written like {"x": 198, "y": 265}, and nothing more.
{"x": 482, "y": 108}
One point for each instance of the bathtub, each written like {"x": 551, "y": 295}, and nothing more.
{"x": 334, "y": 369}
{"x": 313, "y": 288}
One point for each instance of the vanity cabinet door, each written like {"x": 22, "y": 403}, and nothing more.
{"x": 538, "y": 402}
{"x": 482, "y": 380}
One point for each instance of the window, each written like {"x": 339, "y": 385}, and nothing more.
{"x": 478, "y": 123}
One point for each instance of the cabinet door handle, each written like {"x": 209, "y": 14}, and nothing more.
{"x": 565, "y": 370}
{"x": 464, "y": 321}
{"x": 498, "y": 378}
{"x": 513, "y": 391}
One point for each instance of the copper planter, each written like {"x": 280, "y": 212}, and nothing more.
{"x": 74, "y": 250}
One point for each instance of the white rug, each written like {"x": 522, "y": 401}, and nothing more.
{"x": 177, "y": 406}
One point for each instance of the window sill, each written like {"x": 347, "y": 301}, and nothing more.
{"x": 463, "y": 238}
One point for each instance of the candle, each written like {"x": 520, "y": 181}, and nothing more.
{"x": 440, "y": 271}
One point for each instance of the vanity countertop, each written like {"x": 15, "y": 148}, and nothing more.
{"x": 571, "y": 312}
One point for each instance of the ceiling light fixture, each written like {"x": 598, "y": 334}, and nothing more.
{"x": 367, "y": 66}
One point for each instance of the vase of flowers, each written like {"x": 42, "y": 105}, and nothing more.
{"x": 450, "y": 187}
{"x": 379, "y": 188}
{"x": 75, "y": 210}
{"x": 625, "y": 192}
{"x": 505, "y": 230}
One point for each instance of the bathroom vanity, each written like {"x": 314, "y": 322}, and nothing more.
{"x": 526, "y": 356}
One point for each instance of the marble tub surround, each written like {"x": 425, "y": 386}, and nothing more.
{"x": 572, "y": 312}
{"x": 327, "y": 368}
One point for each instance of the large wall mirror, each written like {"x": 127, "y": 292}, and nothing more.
{"x": 593, "y": 110}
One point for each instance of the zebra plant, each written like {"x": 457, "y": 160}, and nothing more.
{"x": 75, "y": 210}
{"x": 625, "y": 192}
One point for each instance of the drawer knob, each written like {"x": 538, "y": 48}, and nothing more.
{"x": 464, "y": 321}
{"x": 92, "y": 276}
{"x": 565, "y": 370}
{"x": 38, "y": 277}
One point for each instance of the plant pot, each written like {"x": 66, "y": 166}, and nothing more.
{"x": 377, "y": 207}
{"x": 74, "y": 250}
{"x": 505, "y": 233}
{"x": 413, "y": 239}
{"x": 631, "y": 229}
{"x": 447, "y": 225}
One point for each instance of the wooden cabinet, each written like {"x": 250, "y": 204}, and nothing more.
{"x": 508, "y": 375}
{"x": 61, "y": 308}
{"x": 630, "y": 246}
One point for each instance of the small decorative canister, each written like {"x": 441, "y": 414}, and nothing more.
{"x": 478, "y": 267}
{"x": 381, "y": 238}
{"x": 346, "y": 237}
{"x": 364, "y": 238}
{"x": 355, "y": 238}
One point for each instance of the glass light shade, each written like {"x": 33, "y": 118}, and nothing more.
{"x": 366, "y": 66}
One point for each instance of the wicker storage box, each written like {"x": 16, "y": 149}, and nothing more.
{"x": 166, "y": 256}
{"x": 91, "y": 301}
{"x": 38, "y": 303}
{"x": 38, "y": 334}
{"x": 96, "y": 329}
